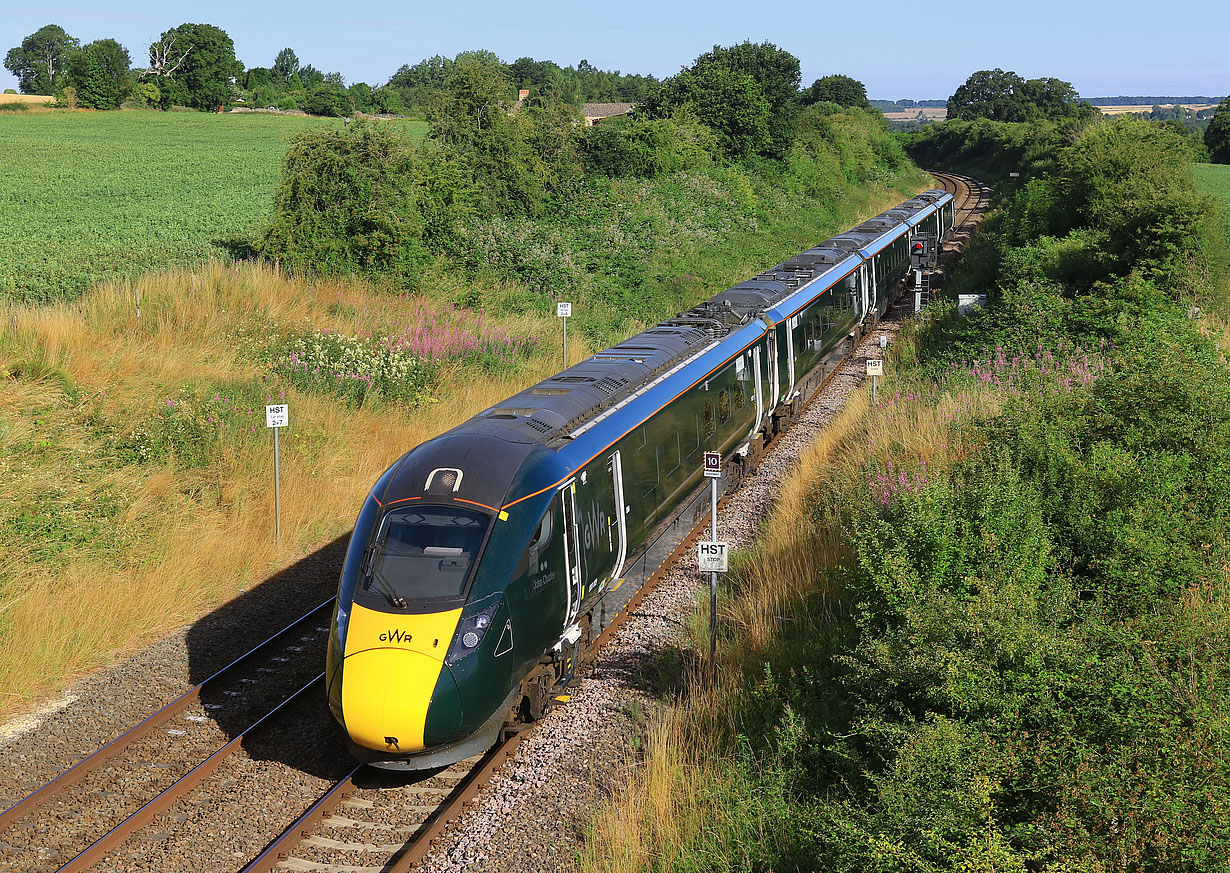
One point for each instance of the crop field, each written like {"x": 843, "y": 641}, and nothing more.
{"x": 92, "y": 196}
{"x": 1214, "y": 180}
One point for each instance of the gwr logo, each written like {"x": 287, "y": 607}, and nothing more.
{"x": 395, "y": 636}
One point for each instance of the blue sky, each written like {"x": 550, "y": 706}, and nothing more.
{"x": 896, "y": 48}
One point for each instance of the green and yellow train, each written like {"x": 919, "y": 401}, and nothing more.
{"x": 486, "y": 560}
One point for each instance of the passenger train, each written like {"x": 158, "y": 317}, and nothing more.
{"x": 485, "y": 561}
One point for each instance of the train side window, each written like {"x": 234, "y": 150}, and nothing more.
{"x": 542, "y": 536}
{"x": 724, "y": 405}
{"x": 708, "y": 422}
{"x": 740, "y": 394}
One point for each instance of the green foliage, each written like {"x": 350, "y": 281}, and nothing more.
{"x": 191, "y": 428}
{"x": 1004, "y": 96}
{"x": 348, "y": 201}
{"x": 646, "y": 147}
{"x": 169, "y": 189}
{"x": 842, "y": 90}
{"x": 748, "y": 94}
{"x": 328, "y": 99}
{"x": 198, "y": 62}
{"x": 1132, "y": 179}
{"x": 1217, "y": 134}
{"x": 285, "y": 66}
{"x": 15, "y": 106}
{"x": 354, "y": 369}
{"x": 40, "y": 63}
{"x": 99, "y": 72}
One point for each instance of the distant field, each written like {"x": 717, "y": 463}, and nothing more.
{"x": 103, "y": 195}
{"x": 1122, "y": 110}
{"x": 35, "y": 99}
{"x": 933, "y": 113}
{"x": 1214, "y": 180}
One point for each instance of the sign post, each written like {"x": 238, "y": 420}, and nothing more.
{"x": 712, "y": 555}
{"x": 277, "y": 416}
{"x": 563, "y": 311}
{"x": 875, "y": 369}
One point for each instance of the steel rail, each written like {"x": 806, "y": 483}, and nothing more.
{"x": 92, "y": 854}
{"x": 103, "y": 755}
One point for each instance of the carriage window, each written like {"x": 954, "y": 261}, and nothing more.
{"x": 542, "y": 536}
{"x": 708, "y": 423}
{"x": 724, "y": 405}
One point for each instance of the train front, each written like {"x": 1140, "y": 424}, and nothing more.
{"x": 422, "y": 666}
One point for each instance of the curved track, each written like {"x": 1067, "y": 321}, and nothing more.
{"x": 972, "y": 197}
{"x": 106, "y": 810}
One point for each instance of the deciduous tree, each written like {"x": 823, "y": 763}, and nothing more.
{"x": 40, "y": 63}
{"x": 198, "y": 60}
{"x": 100, "y": 73}
{"x": 747, "y": 93}
{"x": 285, "y": 66}
{"x": 1217, "y": 134}
{"x": 842, "y": 90}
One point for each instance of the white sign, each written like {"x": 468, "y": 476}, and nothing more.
{"x": 563, "y": 310}
{"x": 712, "y": 557}
{"x": 713, "y": 465}
{"x": 277, "y": 415}
{"x": 875, "y": 367}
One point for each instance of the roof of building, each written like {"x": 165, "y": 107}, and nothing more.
{"x": 606, "y": 110}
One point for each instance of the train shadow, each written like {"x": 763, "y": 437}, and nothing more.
{"x": 317, "y": 746}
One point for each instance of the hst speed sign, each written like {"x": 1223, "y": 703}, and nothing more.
{"x": 712, "y": 557}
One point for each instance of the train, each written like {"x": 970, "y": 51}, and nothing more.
{"x": 484, "y": 562}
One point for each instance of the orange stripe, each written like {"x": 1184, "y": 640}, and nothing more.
{"x": 400, "y": 500}
{"x": 476, "y": 503}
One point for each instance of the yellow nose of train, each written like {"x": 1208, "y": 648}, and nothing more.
{"x": 393, "y": 666}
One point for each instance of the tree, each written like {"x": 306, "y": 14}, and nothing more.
{"x": 747, "y": 93}
{"x": 40, "y": 63}
{"x": 329, "y": 99}
{"x": 993, "y": 94}
{"x": 1005, "y": 96}
{"x": 842, "y": 90}
{"x": 1217, "y": 134}
{"x": 100, "y": 74}
{"x": 285, "y": 66}
{"x": 309, "y": 76}
{"x": 198, "y": 60}
{"x": 433, "y": 72}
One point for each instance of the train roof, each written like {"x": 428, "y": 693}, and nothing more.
{"x": 561, "y": 404}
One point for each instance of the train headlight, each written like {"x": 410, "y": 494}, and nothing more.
{"x": 470, "y": 632}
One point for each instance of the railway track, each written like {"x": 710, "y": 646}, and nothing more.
{"x": 185, "y": 789}
{"x": 972, "y": 197}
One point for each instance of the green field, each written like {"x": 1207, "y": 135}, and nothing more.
{"x": 101, "y": 195}
{"x": 1214, "y": 180}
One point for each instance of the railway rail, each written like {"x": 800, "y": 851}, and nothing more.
{"x": 357, "y": 819}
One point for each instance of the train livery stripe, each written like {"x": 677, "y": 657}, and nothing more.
{"x": 667, "y": 403}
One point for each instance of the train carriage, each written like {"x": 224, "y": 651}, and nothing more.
{"x": 485, "y": 560}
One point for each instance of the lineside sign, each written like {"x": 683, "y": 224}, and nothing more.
{"x": 712, "y": 557}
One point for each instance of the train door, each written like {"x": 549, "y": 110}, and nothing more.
{"x": 865, "y": 273}
{"x": 792, "y": 324}
{"x": 776, "y": 393}
{"x": 617, "y": 527}
{"x": 759, "y": 389}
{"x": 572, "y": 552}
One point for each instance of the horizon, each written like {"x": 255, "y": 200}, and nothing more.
{"x": 1123, "y": 58}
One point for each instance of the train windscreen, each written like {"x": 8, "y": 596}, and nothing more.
{"x": 424, "y": 553}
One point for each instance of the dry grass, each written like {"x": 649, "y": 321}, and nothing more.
{"x": 664, "y": 815}
{"x": 32, "y": 99}
{"x": 177, "y": 541}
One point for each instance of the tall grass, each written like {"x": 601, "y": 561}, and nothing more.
{"x": 106, "y": 548}
{"x": 690, "y": 807}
